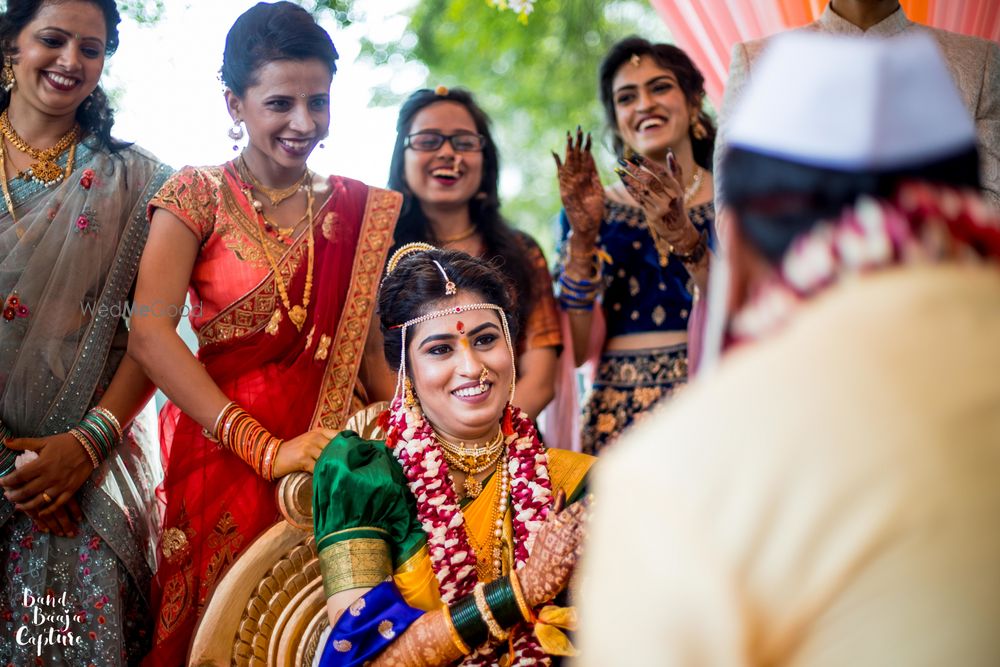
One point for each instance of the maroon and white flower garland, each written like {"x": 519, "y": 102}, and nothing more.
{"x": 923, "y": 223}
{"x": 452, "y": 558}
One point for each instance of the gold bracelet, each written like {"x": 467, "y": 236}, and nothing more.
{"x": 456, "y": 639}
{"x": 87, "y": 447}
{"x": 484, "y": 612}
{"x": 522, "y": 604}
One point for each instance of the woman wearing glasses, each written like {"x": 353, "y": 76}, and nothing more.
{"x": 447, "y": 166}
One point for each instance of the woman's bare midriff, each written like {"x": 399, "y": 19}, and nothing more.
{"x": 646, "y": 340}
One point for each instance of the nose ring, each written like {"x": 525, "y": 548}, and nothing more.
{"x": 482, "y": 378}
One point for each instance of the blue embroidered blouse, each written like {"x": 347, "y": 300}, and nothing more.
{"x": 639, "y": 295}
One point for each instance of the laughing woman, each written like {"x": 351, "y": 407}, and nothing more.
{"x": 447, "y": 165}
{"x": 77, "y": 523}
{"x": 282, "y": 266}
{"x": 638, "y": 250}
{"x": 440, "y": 541}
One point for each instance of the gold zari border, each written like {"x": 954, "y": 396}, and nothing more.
{"x": 359, "y": 563}
{"x": 381, "y": 212}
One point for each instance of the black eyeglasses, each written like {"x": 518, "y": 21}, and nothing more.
{"x": 462, "y": 142}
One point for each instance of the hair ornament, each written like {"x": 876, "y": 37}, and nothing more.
{"x": 441, "y": 91}
{"x": 406, "y": 250}
{"x": 449, "y": 286}
{"x": 634, "y": 60}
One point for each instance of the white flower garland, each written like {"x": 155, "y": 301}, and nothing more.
{"x": 412, "y": 440}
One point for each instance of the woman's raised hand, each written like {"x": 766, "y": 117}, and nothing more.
{"x": 554, "y": 555}
{"x": 660, "y": 194}
{"x": 301, "y": 452}
{"x": 581, "y": 191}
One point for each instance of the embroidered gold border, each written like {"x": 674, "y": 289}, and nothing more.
{"x": 359, "y": 563}
{"x": 253, "y": 311}
{"x": 381, "y": 212}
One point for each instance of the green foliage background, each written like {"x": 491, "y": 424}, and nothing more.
{"x": 536, "y": 80}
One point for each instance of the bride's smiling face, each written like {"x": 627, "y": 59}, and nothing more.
{"x": 447, "y": 356}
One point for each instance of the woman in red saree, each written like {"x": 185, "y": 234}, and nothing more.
{"x": 282, "y": 267}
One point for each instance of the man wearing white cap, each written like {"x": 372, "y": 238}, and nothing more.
{"x": 974, "y": 64}
{"x": 827, "y": 495}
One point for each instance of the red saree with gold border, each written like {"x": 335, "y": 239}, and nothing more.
{"x": 290, "y": 380}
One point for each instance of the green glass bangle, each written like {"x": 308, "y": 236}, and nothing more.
{"x": 501, "y": 601}
{"x": 468, "y": 623}
{"x": 98, "y": 436}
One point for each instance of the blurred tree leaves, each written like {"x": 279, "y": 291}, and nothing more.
{"x": 536, "y": 80}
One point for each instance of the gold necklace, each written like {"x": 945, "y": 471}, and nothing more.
{"x": 461, "y": 237}
{"x": 297, "y": 314}
{"x": 8, "y": 199}
{"x": 460, "y": 448}
{"x": 488, "y": 553}
{"x": 44, "y": 170}
{"x": 274, "y": 195}
{"x": 691, "y": 190}
{"x": 471, "y": 466}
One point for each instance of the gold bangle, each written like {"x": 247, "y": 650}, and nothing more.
{"x": 496, "y": 631}
{"x": 456, "y": 639}
{"x": 87, "y": 447}
{"x": 522, "y": 604}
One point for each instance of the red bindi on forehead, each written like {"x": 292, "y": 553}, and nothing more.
{"x": 460, "y": 326}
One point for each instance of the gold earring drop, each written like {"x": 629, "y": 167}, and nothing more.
{"x": 7, "y": 80}
{"x": 409, "y": 398}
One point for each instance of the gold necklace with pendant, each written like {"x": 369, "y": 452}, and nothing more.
{"x": 297, "y": 314}
{"x": 472, "y": 461}
{"x": 45, "y": 169}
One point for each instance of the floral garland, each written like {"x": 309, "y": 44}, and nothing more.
{"x": 923, "y": 223}
{"x": 412, "y": 440}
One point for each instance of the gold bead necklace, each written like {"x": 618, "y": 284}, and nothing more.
{"x": 488, "y": 553}
{"x": 297, "y": 314}
{"x": 45, "y": 169}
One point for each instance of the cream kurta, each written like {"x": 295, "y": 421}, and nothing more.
{"x": 828, "y": 497}
{"x": 974, "y": 63}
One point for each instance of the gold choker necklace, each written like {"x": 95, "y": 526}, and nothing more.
{"x": 472, "y": 461}
{"x": 274, "y": 195}
{"x": 45, "y": 169}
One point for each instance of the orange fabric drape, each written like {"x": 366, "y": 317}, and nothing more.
{"x": 707, "y": 29}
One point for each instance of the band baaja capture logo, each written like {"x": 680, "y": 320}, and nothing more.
{"x": 47, "y": 622}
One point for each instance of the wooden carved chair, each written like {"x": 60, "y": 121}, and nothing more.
{"x": 269, "y": 608}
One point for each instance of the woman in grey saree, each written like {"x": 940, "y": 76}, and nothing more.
{"x": 75, "y": 538}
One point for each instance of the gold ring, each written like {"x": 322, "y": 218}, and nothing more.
{"x": 47, "y": 498}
